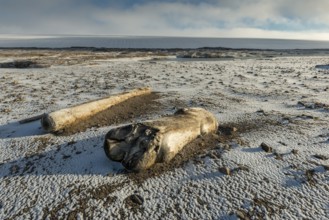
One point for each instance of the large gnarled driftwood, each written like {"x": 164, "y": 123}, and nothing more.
{"x": 58, "y": 120}
{"x": 139, "y": 146}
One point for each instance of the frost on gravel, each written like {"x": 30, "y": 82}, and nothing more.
{"x": 262, "y": 101}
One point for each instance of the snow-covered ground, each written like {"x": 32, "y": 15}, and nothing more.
{"x": 281, "y": 101}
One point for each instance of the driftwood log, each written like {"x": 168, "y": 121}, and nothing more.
{"x": 139, "y": 146}
{"x": 60, "y": 119}
{"x": 30, "y": 119}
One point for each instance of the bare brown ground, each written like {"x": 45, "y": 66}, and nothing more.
{"x": 38, "y": 58}
{"x": 190, "y": 151}
{"x": 124, "y": 112}
{"x": 212, "y": 145}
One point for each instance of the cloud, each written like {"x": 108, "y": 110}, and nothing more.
{"x": 211, "y": 18}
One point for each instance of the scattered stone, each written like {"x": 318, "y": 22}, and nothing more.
{"x": 241, "y": 168}
{"x": 66, "y": 156}
{"x": 294, "y": 151}
{"x": 304, "y": 116}
{"x": 225, "y": 170}
{"x": 137, "y": 199}
{"x": 286, "y": 118}
{"x": 310, "y": 176}
{"x": 266, "y": 147}
{"x": 278, "y": 156}
{"x": 260, "y": 111}
{"x": 200, "y": 201}
{"x": 324, "y": 135}
{"x": 71, "y": 143}
{"x": 313, "y": 105}
{"x": 227, "y": 130}
{"x": 6, "y": 110}
{"x": 327, "y": 141}
{"x": 214, "y": 155}
{"x": 284, "y": 144}
{"x": 244, "y": 167}
{"x": 321, "y": 157}
{"x": 241, "y": 215}
{"x": 226, "y": 147}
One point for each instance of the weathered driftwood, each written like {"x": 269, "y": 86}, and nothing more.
{"x": 139, "y": 146}
{"x": 34, "y": 118}
{"x": 58, "y": 120}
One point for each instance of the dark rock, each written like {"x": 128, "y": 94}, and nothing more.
{"x": 137, "y": 199}
{"x": 266, "y": 147}
{"x": 310, "y": 176}
{"x": 284, "y": 144}
{"x": 241, "y": 168}
{"x": 66, "y": 156}
{"x": 242, "y": 215}
{"x": 213, "y": 155}
{"x": 324, "y": 135}
{"x": 71, "y": 143}
{"x": 313, "y": 105}
{"x": 278, "y": 156}
{"x": 260, "y": 111}
{"x": 226, "y": 147}
{"x": 225, "y": 170}
{"x": 294, "y": 151}
{"x": 244, "y": 168}
{"x": 227, "y": 130}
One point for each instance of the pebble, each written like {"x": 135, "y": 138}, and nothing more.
{"x": 7, "y": 110}
{"x": 266, "y": 147}
{"x": 284, "y": 144}
{"x": 241, "y": 168}
{"x": 241, "y": 215}
{"x": 213, "y": 155}
{"x": 278, "y": 156}
{"x": 294, "y": 151}
{"x": 137, "y": 199}
{"x": 225, "y": 170}
{"x": 227, "y": 147}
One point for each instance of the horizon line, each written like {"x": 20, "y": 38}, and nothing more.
{"x": 31, "y": 36}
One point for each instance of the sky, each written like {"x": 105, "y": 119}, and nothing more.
{"x": 285, "y": 19}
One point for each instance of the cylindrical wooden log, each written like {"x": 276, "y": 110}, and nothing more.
{"x": 139, "y": 146}
{"x": 60, "y": 119}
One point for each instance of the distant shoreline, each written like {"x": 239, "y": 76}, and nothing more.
{"x": 157, "y": 43}
{"x": 46, "y": 57}
{"x": 109, "y": 49}
{"x": 180, "y": 53}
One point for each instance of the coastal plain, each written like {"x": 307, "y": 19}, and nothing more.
{"x": 268, "y": 159}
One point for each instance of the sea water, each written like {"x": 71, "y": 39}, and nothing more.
{"x": 156, "y": 42}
